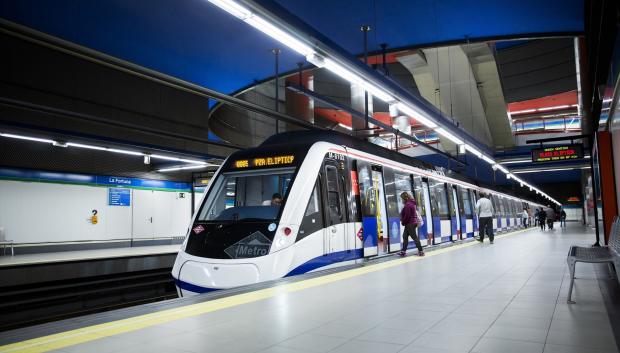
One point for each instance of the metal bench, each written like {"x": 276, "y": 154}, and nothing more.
{"x": 604, "y": 254}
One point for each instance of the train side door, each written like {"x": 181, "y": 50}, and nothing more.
{"x": 369, "y": 209}
{"x": 456, "y": 214}
{"x": 474, "y": 200}
{"x": 335, "y": 230}
{"x": 433, "y": 228}
{"x": 392, "y": 198}
{"x": 425, "y": 231}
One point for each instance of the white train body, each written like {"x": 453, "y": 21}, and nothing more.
{"x": 340, "y": 206}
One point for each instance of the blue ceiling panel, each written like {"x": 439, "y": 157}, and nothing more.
{"x": 189, "y": 39}
{"x": 405, "y": 23}
{"x": 195, "y": 41}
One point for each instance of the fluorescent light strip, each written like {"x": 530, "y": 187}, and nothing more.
{"x": 354, "y": 78}
{"x": 488, "y": 160}
{"x": 28, "y": 138}
{"x": 449, "y": 136}
{"x": 131, "y": 153}
{"x": 473, "y": 151}
{"x": 407, "y": 110}
{"x": 345, "y": 126}
{"x": 278, "y": 35}
{"x": 542, "y": 170}
{"x": 90, "y": 147}
{"x": 232, "y": 8}
{"x": 501, "y": 168}
{"x": 183, "y": 168}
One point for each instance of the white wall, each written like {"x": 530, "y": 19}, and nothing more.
{"x": 33, "y": 212}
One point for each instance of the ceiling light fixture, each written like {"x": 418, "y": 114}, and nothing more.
{"x": 28, "y": 138}
{"x": 345, "y": 126}
{"x": 407, "y": 110}
{"x": 441, "y": 131}
{"x": 183, "y": 168}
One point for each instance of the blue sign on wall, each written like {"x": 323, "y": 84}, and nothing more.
{"x": 119, "y": 197}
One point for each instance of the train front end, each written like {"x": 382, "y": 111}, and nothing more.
{"x": 242, "y": 232}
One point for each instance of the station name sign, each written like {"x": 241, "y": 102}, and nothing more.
{"x": 263, "y": 162}
{"x": 557, "y": 153}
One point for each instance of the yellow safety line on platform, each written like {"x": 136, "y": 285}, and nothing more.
{"x": 90, "y": 333}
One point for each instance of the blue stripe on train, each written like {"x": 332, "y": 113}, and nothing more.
{"x": 326, "y": 260}
{"x": 313, "y": 264}
{"x": 369, "y": 225}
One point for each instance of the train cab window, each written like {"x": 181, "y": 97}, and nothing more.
{"x": 334, "y": 202}
{"x": 247, "y": 196}
{"x": 313, "y": 217}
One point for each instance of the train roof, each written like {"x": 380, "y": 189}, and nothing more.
{"x": 306, "y": 138}
{"x": 309, "y": 137}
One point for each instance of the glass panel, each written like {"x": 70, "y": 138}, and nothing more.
{"x": 313, "y": 217}
{"x": 367, "y": 194}
{"x": 439, "y": 190}
{"x": 466, "y": 202}
{"x": 256, "y": 195}
{"x": 333, "y": 194}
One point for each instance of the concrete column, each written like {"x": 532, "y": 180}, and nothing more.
{"x": 358, "y": 103}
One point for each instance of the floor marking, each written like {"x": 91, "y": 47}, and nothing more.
{"x": 91, "y": 333}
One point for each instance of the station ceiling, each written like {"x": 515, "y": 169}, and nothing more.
{"x": 197, "y": 42}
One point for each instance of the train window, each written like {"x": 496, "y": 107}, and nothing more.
{"x": 247, "y": 196}
{"x": 313, "y": 217}
{"x": 496, "y": 206}
{"x": 403, "y": 184}
{"x": 466, "y": 202}
{"x": 367, "y": 197}
{"x": 439, "y": 189}
{"x": 391, "y": 193}
{"x": 333, "y": 194}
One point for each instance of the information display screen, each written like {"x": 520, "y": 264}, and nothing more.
{"x": 557, "y": 153}
{"x": 260, "y": 162}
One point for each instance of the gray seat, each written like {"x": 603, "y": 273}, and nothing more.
{"x": 604, "y": 254}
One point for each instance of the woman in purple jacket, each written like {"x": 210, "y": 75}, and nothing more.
{"x": 409, "y": 219}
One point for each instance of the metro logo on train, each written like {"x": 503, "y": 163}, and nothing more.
{"x": 557, "y": 153}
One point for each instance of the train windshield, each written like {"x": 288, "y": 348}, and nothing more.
{"x": 247, "y": 196}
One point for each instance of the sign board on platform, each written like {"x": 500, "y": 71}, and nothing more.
{"x": 557, "y": 153}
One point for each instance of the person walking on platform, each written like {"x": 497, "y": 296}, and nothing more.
{"x": 484, "y": 210}
{"x": 562, "y": 219}
{"x": 409, "y": 219}
{"x": 529, "y": 217}
{"x": 525, "y": 216}
{"x": 542, "y": 217}
{"x": 536, "y": 216}
{"x": 550, "y": 216}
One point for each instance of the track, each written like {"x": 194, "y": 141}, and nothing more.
{"x": 32, "y": 304}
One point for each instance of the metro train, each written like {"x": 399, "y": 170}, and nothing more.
{"x": 339, "y": 206}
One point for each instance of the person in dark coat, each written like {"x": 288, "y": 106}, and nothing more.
{"x": 409, "y": 219}
{"x": 542, "y": 217}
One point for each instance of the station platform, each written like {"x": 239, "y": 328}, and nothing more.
{"x": 98, "y": 254}
{"x": 472, "y": 297}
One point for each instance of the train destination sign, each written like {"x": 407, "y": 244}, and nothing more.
{"x": 557, "y": 153}
{"x": 264, "y": 161}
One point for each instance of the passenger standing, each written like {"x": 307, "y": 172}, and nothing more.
{"x": 542, "y": 217}
{"x": 562, "y": 219}
{"x": 550, "y": 216}
{"x": 525, "y": 217}
{"x": 536, "y": 217}
{"x": 409, "y": 219}
{"x": 529, "y": 217}
{"x": 484, "y": 209}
